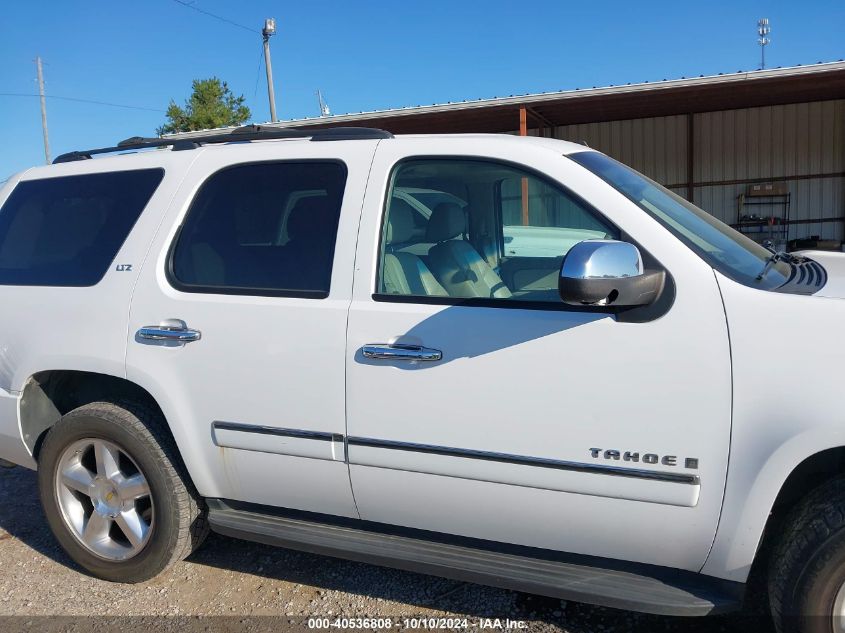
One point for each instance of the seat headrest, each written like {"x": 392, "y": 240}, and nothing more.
{"x": 400, "y": 222}
{"x": 309, "y": 216}
{"x": 448, "y": 220}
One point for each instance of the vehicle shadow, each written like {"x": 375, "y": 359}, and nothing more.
{"x": 21, "y": 518}
{"x": 465, "y": 331}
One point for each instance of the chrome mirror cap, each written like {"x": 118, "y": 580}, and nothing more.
{"x": 607, "y": 273}
{"x": 602, "y": 259}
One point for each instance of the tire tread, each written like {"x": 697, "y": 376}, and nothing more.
{"x": 148, "y": 426}
{"x": 814, "y": 522}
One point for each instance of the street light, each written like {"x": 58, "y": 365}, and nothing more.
{"x": 269, "y": 27}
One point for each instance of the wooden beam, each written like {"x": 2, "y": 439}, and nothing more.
{"x": 525, "y": 215}
{"x": 523, "y": 131}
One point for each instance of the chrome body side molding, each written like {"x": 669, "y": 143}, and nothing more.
{"x": 601, "y": 480}
{"x": 600, "y": 469}
{"x": 282, "y": 441}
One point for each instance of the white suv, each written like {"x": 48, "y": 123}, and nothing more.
{"x": 508, "y": 360}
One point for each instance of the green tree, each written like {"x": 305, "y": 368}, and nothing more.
{"x": 211, "y": 105}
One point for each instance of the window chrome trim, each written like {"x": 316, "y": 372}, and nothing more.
{"x": 542, "y": 462}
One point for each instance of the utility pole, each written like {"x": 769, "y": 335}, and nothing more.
{"x": 324, "y": 107}
{"x": 43, "y": 109}
{"x": 268, "y": 31}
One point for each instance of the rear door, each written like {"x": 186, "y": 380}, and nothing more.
{"x": 252, "y": 269}
{"x": 518, "y": 419}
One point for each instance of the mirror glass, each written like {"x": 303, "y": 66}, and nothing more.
{"x": 602, "y": 259}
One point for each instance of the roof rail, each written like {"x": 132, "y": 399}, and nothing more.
{"x": 245, "y": 133}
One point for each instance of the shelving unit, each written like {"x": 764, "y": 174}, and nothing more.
{"x": 760, "y": 227}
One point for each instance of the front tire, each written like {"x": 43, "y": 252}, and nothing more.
{"x": 116, "y": 494}
{"x": 807, "y": 569}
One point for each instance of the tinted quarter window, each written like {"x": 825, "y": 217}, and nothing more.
{"x": 262, "y": 229}
{"x": 66, "y": 231}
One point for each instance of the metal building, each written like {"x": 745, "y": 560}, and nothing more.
{"x": 762, "y": 150}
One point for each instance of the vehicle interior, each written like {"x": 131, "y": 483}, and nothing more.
{"x": 263, "y": 227}
{"x": 454, "y": 228}
{"x": 476, "y": 229}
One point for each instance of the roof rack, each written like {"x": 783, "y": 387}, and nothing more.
{"x": 245, "y": 133}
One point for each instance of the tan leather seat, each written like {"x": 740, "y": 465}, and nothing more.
{"x": 405, "y": 273}
{"x": 453, "y": 260}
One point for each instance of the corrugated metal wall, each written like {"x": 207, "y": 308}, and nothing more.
{"x": 656, "y": 147}
{"x": 734, "y": 148}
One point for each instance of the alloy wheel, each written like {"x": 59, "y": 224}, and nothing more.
{"x": 104, "y": 499}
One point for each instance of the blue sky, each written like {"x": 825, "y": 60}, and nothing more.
{"x": 365, "y": 55}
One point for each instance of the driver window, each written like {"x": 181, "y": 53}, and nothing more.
{"x": 474, "y": 229}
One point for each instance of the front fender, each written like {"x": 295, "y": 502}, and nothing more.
{"x": 787, "y": 353}
{"x": 746, "y": 510}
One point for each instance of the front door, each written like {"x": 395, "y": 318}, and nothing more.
{"x": 256, "y": 257}
{"x": 480, "y": 405}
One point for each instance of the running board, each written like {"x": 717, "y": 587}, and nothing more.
{"x": 605, "y": 582}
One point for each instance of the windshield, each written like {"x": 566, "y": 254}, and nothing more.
{"x": 728, "y": 251}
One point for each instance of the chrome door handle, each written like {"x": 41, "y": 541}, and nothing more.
{"x": 169, "y": 330}
{"x": 387, "y": 351}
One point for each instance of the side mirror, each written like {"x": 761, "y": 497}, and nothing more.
{"x": 607, "y": 273}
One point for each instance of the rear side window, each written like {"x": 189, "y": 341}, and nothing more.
{"x": 66, "y": 231}
{"x": 266, "y": 229}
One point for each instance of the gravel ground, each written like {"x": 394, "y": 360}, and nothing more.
{"x": 255, "y": 587}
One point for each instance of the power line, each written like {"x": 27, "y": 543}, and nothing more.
{"x": 103, "y": 103}
{"x": 217, "y": 17}
{"x": 258, "y": 70}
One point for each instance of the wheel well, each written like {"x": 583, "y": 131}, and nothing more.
{"x": 48, "y": 395}
{"x": 808, "y": 475}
